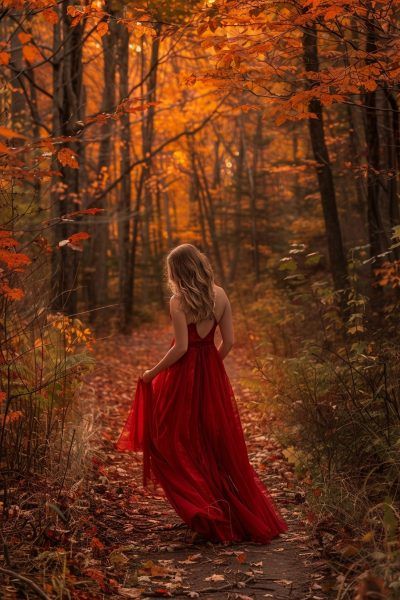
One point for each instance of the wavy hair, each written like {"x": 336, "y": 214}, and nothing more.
{"x": 191, "y": 279}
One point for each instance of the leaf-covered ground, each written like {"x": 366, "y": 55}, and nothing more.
{"x": 108, "y": 537}
{"x": 138, "y": 547}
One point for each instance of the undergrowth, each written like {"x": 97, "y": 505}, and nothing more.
{"x": 329, "y": 368}
{"x": 43, "y": 425}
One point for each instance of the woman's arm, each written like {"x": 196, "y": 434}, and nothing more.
{"x": 180, "y": 341}
{"x": 226, "y": 327}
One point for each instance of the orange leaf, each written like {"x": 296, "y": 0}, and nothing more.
{"x": 95, "y": 574}
{"x": 31, "y": 53}
{"x": 50, "y": 16}
{"x": 67, "y": 158}
{"x": 370, "y": 85}
{"x": 4, "y": 58}
{"x": 4, "y": 149}
{"x": 102, "y": 28}
{"x": 78, "y": 237}
{"x": 3, "y": 396}
{"x": 11, "y": 293}
{"x": 241, "y": 557}
{"x": 24, "y": 37}
{"x": 14, "y": 260}
{"x": 76, "y": 15}
{"x": 72, "y": 11}
{"x": 13, "y": 416}
{"x": 6, "y": 241}
{"x": 333, "y": 12}
{"x": 9, "y": 133}
{"x": 96, "y": 543}
{"x": 86, "y": 211}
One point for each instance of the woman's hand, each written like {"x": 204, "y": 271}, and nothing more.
{"x": 148, "y": 376}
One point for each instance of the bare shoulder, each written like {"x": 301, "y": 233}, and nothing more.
{"x": 174, "y": 303}
{"x": 220, "y": 292}
{"x": 221, "y": 299}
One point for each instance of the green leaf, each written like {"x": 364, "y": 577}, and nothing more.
{"x": 313, "y": 258}
{"x": 288, "y": 264}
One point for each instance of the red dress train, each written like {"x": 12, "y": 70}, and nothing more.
{"x": 187, "y": 424}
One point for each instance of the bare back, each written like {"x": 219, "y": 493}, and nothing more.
{"x": 223, "y": 316}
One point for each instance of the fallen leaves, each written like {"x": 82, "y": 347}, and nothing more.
{"x": 241, "y": 557}
{"x": 129, "y": 542}
{"x": 284, "y": 582}
{"x": 215, "y": 577}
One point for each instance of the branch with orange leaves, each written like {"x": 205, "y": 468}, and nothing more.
{"x": 185, "y": 132}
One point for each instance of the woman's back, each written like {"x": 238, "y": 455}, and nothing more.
{"x": 222, "y": 316}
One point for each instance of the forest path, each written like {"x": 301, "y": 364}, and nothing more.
{"x": 138, "y": 545}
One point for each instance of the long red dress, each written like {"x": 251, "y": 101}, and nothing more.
{"x": 187, "y": 424}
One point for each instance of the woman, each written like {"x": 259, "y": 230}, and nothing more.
{"x": 185, "y": 418}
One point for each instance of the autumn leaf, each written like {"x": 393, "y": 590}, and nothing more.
{"x": 68, "y": 158}
{"x": 285, "y": 582}
{"x": 11, "y": 293}
{"x": 24, "y": 37}
{"x": 102, "y": 28}
{"x": 13, "y": 416}
{"x": 370, "y": 85}
{"x": 96, "y": 575}
{"x": 14, "y": 260}
{"x": 3, "y": 396}
{"x": 333, "y": 12}
{"x": 50, "y": 16}
{"x": 74, "y": 241}
{"x": 86, "y": 211}
{"x": 163, "y": 593}
{"x": 97, "y": 544}
{"x": 6, "y": 241}
{"x": 8, "y": 133}
{"x": 76, "y": 15}
{"x": 4, "y": 58}
{"x": 31, "y": 53}
{"x": 215, "y": 577}
{"x": 79, "y": 237}
{"x": 72, "y": 11}
{"x": 154, "y": 569}
{"x": 241, "y": 557}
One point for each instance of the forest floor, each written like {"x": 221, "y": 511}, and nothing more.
{"x": 133, "y": 545}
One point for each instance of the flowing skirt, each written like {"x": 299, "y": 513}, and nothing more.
{"x": 187, "y": 424}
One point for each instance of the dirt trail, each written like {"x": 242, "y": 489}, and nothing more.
{"x": 139, "y": 546}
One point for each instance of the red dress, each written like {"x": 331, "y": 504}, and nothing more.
{"x": 187, "y": 424}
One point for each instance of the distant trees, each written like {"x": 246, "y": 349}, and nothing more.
{"x": 316, "y": 57}
{"x": 240, "y": 126}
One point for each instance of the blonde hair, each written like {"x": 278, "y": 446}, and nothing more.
{"x": 191, "y": 279}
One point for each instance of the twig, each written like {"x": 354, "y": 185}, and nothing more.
{"x": 31, "y": 583}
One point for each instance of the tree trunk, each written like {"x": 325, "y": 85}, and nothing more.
{"x": 67, "y": 113}
{"x": 252, "y": 176}
{"x": 394, "y": 161}
{"x": 210, "y": 218}
{"x": 143, "y": 187}
{"x": 324, "y": 170}
{"x": 97, "y": 271}
{"x": 355, "y": 150}
{"x": 238, "y": 204}
{"x": 124, "y": 202}
{"x": 376, "y": 228}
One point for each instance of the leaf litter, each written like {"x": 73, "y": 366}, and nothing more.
{"x": 120, "y": 540}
